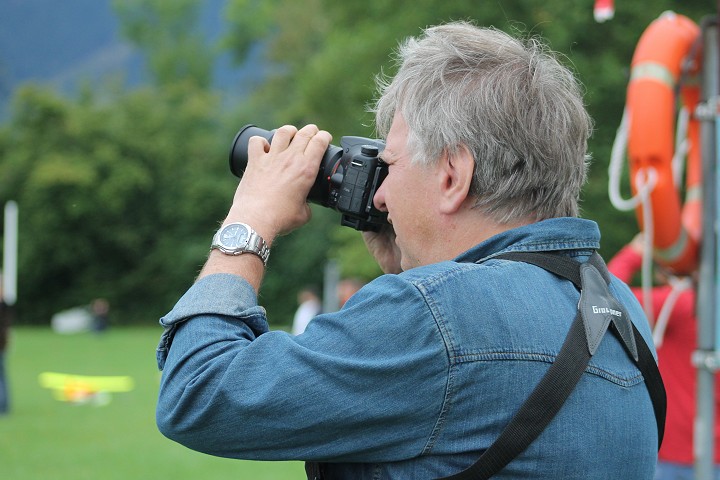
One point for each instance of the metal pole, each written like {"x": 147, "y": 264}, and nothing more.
{"x": 330, "y": 284}
{"x": 705, "y": 357}
{"x": 10, "y": 246}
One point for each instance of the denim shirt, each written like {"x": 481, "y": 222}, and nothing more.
{"x": 415, "y": 377}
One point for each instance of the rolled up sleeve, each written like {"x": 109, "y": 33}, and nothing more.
{"x": 221, "y": 295}
{"x": 232, "y": 388}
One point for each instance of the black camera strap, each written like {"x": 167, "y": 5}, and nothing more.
{"x": 598, "y": 311}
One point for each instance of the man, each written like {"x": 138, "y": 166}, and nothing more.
{"x": 346, "y": 288}
{"x": 309, "y": 306}
{"x": 423, "y": 367}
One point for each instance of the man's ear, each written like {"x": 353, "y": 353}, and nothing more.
{"x": 456, "y": 174}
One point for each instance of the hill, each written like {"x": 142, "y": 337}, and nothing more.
{"x": 73, "y": 42}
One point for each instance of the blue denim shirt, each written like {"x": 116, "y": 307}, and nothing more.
{"x": 415, "y": 377}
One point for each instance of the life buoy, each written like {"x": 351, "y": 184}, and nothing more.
{"x": 659, "y": 59}
{"x": 604, "y": 10}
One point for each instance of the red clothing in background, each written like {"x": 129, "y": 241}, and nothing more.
{"x": 674, "y": 362}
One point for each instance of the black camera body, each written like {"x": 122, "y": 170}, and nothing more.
{"x": 347, "y": 179}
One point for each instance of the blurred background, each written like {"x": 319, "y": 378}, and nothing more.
{"x": 116, "y": 118}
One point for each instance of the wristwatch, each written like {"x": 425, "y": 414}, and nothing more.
{"x": 238, "y": 238}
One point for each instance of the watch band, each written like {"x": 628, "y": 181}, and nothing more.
{"x": 258, "y": 246}
{"x": 254, "y": 243}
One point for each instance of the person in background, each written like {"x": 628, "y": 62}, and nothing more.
{"x": 346, "y": 288}
{"x": 675, "y": 332}
{"x": 308, "y": 307}
{"x": 100, "y": 311}
{"x": 420, "y": 371}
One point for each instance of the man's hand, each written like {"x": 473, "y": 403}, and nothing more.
{"x": 271, "y": 196}
{"x": 382, "y": 246}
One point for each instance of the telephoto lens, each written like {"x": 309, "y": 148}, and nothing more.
{"x": 347, "y": 178}
{"x": 320, "y": 189}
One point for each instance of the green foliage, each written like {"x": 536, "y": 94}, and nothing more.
{"x": 116, "y": 200}
{"x": 120, "y": 192}
{"x": 329, "y": 68}
{"x": 170, "y": 36}
{"x": 253, "y": 21}
{"x": 352, "y": 256}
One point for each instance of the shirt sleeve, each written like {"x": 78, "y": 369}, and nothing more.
{"x": 367, "y": 382}
{"x": 237, "y": 300}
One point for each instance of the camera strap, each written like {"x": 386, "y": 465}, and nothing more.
{"x": 598, "y": 311}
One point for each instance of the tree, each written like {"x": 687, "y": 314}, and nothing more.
{"x": 120, "y": 193}
{"x": 117, "y": 200}
{"x": 170, "y": 36}
{"x": 325, "y": 71}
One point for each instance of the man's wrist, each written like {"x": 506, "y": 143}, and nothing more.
{"x": 259, "y": 223}
{"x": 237, "y": 238}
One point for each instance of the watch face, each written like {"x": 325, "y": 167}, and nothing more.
{"x": 234, "y": 236}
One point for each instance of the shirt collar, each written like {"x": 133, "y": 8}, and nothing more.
{"x": 566, "y": 233}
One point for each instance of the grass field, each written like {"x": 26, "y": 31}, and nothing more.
{"x": 44, "y": 438}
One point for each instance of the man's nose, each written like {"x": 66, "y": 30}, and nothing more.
{"x": 379, "y": 198}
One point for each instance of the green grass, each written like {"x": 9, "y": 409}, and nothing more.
{"x": 43, "y": 438}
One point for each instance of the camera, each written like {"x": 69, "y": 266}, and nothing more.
{"x": 347, "y": 178}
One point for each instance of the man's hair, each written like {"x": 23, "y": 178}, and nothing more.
{"x": 512, "y": 104}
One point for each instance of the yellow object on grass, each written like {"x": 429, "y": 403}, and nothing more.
{"x": 84, "y": 388}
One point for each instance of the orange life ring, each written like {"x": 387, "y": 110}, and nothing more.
{"x": 651, "y": 106}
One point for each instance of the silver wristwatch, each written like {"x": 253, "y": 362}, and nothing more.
{"x": 238, "y": 238}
